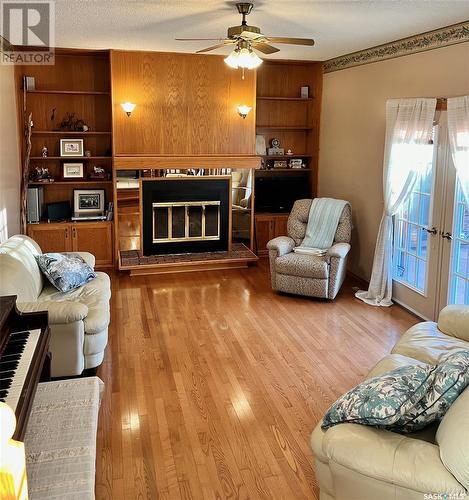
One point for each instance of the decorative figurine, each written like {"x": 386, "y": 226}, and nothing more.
{"x": 289, "y": 152}
{"x": 41, "y": 174}
{"x": 87, "y": 153}
{"x": 98, "y": 173}
{"x": 44, "y": 151}
{"x": 71, "y": 123}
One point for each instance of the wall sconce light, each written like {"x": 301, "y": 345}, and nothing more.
{"x": 13, "y": 483}
{"x": 128, "y": 107}
{"x": 243, "y": 110}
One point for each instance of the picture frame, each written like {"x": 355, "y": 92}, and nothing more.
{"x": 88, "y": 201}
{"x": 72, "y": 170}
{"x": 280, "y": 164}
{"x": 71, "y": 147}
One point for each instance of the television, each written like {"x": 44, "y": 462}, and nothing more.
{"x": 277, "y": 192}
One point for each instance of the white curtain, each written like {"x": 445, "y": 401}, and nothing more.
{"x": 458, "y": 131}
{"x": 409, "y": 124}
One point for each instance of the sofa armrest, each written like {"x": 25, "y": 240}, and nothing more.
{"x": 60, "y": 312}
{"x": 282, "y": 245}
{"x": 88, "y": 257}
{"x": 390, "y": 457}
{"x": 454, "y": 321}
{"x": 339, "y": 250}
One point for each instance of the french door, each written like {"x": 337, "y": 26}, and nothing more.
{"x": 431, "y": 237}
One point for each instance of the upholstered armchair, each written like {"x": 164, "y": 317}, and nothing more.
{"x": 310, "y": 275}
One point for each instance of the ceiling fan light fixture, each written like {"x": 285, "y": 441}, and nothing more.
{"x": 244, "y": 58}
{"x": 248, "y": 59}
{"x": 232, "y": 59}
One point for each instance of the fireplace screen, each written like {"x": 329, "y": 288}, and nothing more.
{"x": 186, "y": 221}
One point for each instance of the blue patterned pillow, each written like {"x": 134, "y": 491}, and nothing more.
{"x": 450, "y": 378}
{"x": 381, "y": 401}
{"x": 65, "y": 271}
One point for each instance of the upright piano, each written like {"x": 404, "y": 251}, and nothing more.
{"x": 24, "y": 358}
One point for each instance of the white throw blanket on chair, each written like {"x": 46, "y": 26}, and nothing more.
{"x": 324, "y": 216}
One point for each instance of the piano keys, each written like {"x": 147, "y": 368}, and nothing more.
{"x": 24, "y": 347}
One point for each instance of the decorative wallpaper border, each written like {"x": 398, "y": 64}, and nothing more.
{"x": 441, "y": 37}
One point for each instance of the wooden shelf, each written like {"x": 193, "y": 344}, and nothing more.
{"x": 68, "y": 92}
{"x": 286, "y": 127}
{"x": 271, "y": 170}
{"x": 68, "y": 132}
{"x": 284, "y": 157}
{"x": 272, "y": 98}
{"x": 69, "y": 183}
{"x": 66, "y": 158}
{"x": 69, "y": 221}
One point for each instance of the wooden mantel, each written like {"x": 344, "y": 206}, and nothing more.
{"x": 186, "y": 162}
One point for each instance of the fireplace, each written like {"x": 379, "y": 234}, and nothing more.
{"x": 186, "y": 215}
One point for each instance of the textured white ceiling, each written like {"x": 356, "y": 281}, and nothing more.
{"x": 338, "y": 27}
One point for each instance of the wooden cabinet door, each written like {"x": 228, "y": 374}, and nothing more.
{"x": 96, "y": 238}
{"x": 51, "y": 237}
{"x": 281, "y": 225}
{"x": 264, "y": 233}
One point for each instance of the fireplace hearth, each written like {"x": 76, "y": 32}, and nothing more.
{"x": 186, "y": 215}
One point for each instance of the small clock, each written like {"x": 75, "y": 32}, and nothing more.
{"x": 275, "y": 150}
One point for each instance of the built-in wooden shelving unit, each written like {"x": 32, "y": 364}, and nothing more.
{"x": 281, "y": 113}
{"x": 79, "y": 83}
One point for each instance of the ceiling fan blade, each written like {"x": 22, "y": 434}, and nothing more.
{"x": 293, "y": 41}
{"x": 198, "y": 39}
{"x": 265, "y": 48}
{"x": 213, "y": 47}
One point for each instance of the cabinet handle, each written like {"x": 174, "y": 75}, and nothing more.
{"x": 66, "y": 233}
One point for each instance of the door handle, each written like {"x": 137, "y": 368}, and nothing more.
{"x": 447, "y": 235}
{"x": 66, "y": 232}
{"x": 433, "y": 230}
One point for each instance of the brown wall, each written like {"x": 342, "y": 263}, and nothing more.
{"x": 353, "y": 126}
{"x": 9, "y": 156}
{"x": 186, "y": 105}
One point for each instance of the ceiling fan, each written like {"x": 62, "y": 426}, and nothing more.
{"x": 245, "y": 38}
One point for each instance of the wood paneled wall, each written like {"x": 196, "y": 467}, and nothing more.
{"x": 186, "y": 105}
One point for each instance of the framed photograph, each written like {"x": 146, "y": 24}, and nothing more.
{"x": 280, "y": 164}
{"x": 71, "y": 147}
{"x": 88, "y": 201}
{"x": 72, "y": 170}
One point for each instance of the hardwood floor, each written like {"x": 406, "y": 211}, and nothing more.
{"x": 213, "y": 383}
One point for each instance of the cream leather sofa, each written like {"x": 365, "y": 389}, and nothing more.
{"x": 355, "y": 462}
{"x": 78, "y": 319}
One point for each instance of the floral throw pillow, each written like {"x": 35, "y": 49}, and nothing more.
{"x": 65, "y": 271}
{"x": 381, "y": 401}
{"x": 450, "y": 378}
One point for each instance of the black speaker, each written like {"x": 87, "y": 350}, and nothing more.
{"x": 59, "y": 211}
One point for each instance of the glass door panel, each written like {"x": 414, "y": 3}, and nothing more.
{"x": 415, "y": 244}
{"x": 411, "y": 234}
{"x": 459, "y": 270}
